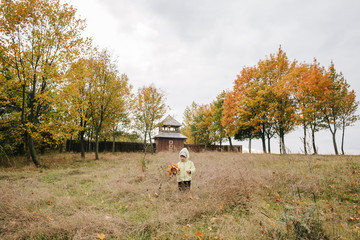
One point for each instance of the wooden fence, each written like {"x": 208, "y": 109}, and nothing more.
{"x": 222, "y": 148}
{"x": 74, "y": 146}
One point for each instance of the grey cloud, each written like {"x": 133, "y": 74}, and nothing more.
{"x": 198, "y": 47}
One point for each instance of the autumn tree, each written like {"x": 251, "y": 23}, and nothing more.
{"x": 188, "y": 124}
{"x": 282, "y": 107}
{"x": 245, "y": 114}
{"x": 235, "y": 112}
{"x": 218, "y": 130}
{"x": 108, "y": 93}
{"x": 75, "y": 99}
{"x": 202, "y": 127}
{"x": 335, "y": 103}
{"x": 148, "y": 109}
{"x": 38, "y": 40}
{"x": 202, "y": 123}
{"x": 312, "y": 84}
{"x": 348, "y": 116}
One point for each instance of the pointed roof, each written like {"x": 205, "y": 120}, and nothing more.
{"x": 170, "y": 121}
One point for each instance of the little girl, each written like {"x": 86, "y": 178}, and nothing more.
{"x": 186, "y": 169}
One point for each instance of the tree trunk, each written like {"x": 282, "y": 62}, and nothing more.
{"x": 269, "y": 143}
{"x": 151, "y": 145}
{"x": 282, "y": 141}
{"x": 89, "y": 141}
{"x": 113, "y": 144}
{"x": 305, "y": 148}
{"x": 96, "y": 145}
{"x": 263, "y": 140}
{"x": 32, "y": 151}
{"x": 313, "y": 139}
{"x": 25, "y": 140}
{"x": 342, "y": 139}
{"x": 250, "y": 144}
{"x": 334, "y": 141}
{"x": 231, "y": 146}
{"x": 82, "y": 147}
{"x": 61, "y": 147}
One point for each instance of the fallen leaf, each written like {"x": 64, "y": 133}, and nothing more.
{"x": 49, "y": 218}
{"x": 149, "y": 197}
{"x": 199, "y": 234}
{"x": 100, "y": 236}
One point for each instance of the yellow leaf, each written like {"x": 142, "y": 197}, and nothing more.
{"x": 100, "y": 236}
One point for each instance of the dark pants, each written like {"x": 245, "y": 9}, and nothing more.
{"x": 185, "y": 185}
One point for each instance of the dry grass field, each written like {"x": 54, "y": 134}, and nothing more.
{"x": 233, "y": 196}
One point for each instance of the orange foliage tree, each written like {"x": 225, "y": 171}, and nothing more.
{"x": 262, "y": 101}
{"x": 312, "y": 85}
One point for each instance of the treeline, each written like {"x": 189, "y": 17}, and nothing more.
{"x": 273, "y": 98}
{"x": 55, "y": 85}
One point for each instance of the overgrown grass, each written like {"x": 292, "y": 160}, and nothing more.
{"x": 233, "y": 196}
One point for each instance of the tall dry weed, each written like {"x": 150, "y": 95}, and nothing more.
{"x": 233, "y": 196}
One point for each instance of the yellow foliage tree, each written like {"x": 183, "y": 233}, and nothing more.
{"x": 148, "y": 109}
{"x": 38, "y": 40}
{"x": 109, "y": 92}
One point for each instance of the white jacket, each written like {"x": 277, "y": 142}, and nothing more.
{"x": 182, "y": 175}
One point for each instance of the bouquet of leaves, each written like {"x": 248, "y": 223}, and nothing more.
{"x": 173, "y": 170}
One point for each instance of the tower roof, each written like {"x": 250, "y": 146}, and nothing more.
{"x": 170, "y": 121}
{"x": 170, "y": 135}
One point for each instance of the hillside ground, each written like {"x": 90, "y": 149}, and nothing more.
{"x": 233, "y": 196}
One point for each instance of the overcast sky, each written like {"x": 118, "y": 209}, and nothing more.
{"x": 193, "y": 49}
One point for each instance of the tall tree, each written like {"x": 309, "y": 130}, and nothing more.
{"x": 282, "y": 108}
{"x": 333, "y": 102}
{"x": 75, "y": 99}
{"x": 38, "y": 39}
{"x": 246, "y": 108}
{"x": 148, "y": 109}
{"x": 217, "y": 128}
{"x": 108, "y": 93}
{"x": 348, "y": 116}
{"x": 235, "y": 112}
{"x": 189, "y": 123}
{"x": 312, "y": 84}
